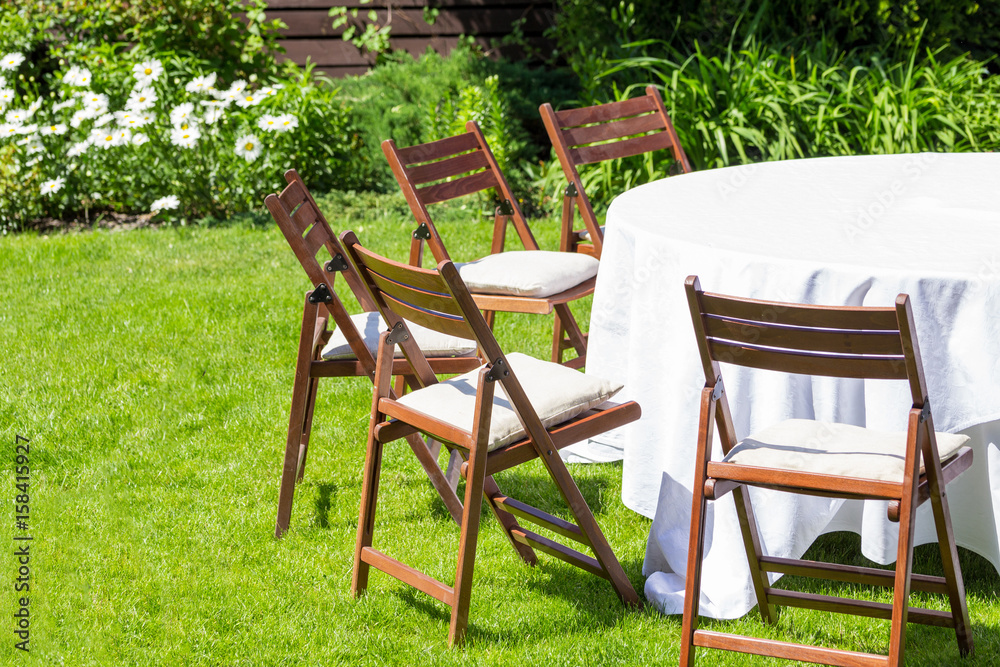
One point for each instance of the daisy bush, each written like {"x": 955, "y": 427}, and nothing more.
{"x": 160, "y": 135}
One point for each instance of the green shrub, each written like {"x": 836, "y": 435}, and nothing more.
{"x": 765, "y": 103}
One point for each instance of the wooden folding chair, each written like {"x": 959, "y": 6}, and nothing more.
{"x": 547, "y": 406}
{"x": 528, "y": 281}
{"x": 605, "y": 132}
{"x": 348, "y": 351}
{"x": 815, "y": 458}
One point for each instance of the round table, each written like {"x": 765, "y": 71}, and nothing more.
{"x": 837, "y": 231}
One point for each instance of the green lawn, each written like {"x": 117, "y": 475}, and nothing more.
{"x": 152, "y": 372}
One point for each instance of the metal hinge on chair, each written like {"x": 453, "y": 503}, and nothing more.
{"x": 321, "y": 294}
{"x": 925, "y": 412}
{"x": 422, "y": 232}
{"x": 497, "y": 370}
{"x": 397, "y": 334}
{"x": 719, "y": 390}
{"x": 505, "y": 208}
{"x": 338, "y": 263}
{"x": 571, "y": 190}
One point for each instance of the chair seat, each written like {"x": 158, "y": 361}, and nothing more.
{"x": 805, "y": 445}
{"x": 531, "y": 273}
{"x": 558, "y": 394}
{"x": 370, "y": 326}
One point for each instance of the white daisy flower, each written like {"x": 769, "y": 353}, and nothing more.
{"x": 130, "y": 119}
{"x": 138, "y": 139}
{"x": 58, "y": 128}
{"x": 98, "y": 102}
{"x": 33, "y": 145}
{"x": 287, "y": 122}
{"x": 27, "y": 129}
{"x": 165, "y": 203}
{"x": 17, "y": 116}
{"x": 103, "y": 120}
{"x": 214, "y": 114}
{"x": 181, "y": 113}
{"x": 185, "y": 138}
{"x": 11, "y": 61}
{"x": 268, "y": 123}
{"x": 103, "y": 138}
{"x": 201, "y": 84}
{"x": 76, "y": 76}
{"x": 247, "y": 100}
{"x": 123, "y": 136}
{"x": 53, "y": 186}
{"x": 147, "y": 72}
{"x": 64, "y": 105}
{"x": 267, "y": 91}
{"x": 234, "y": 92}
{"x": 141, "y": 99}
{"x": 248, "y": 147}
{"x": 34, "y": 107}
{"x": 78, "y": 149}
{"x": 6, "y": 96}
{"x": 81, "y": 115}
{"x": 9, "y": 130}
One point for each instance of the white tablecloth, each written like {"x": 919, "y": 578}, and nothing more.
{"x": 838, "y": 231}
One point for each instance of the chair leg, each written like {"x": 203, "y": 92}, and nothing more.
{"x": 565, "y": 321}
{"x": 507, "y": 522}
{"x": 751, "y": 544}
{"x": 949, "y": 556}
{"x": 904, "y": 563}
{"x": 307, "y": 428}
{"x": 366, "y": 514}
{"x": 474, "y": 484}
{"x": 567, "y": 237}
{"x": 299, "y": 418}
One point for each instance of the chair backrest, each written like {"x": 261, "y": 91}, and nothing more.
{"x": 449, "y": 168}
{"x": 437, "y": 299}
{"x": 307, "y": 232}
{"x": 833, "y": 341}
{"x": 607, "y": 132}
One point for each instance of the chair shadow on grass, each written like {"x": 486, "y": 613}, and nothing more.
{"x": 925, "y": 645}
{"x": 327, "y": 493}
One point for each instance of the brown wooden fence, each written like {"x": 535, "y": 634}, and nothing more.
{"x": 310, "y": 33}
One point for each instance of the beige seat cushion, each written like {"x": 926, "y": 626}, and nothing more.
{"x": 585, "y": 235}
{"x": 557, "y": 393}
{"x": 370, "y": 326}
{"x": 535, "y": 273}
{"x": 833, "y": 449}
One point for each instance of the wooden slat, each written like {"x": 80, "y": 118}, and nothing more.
{"x": 408, "y": 575}
{"x": 804, "y": 482}
{"x": 436, "y": 150}
{"x": 325, "y": 52}
{"x": 563, "y": 553}
{"x": 805, "y": 363}
{"x": 293, "y": 195}
{"x": 425, "y": 318}
{"x": 865, "y": 608}
{"x": 466, "y": 185}
{"x": 424, "y": 279}
{"x": 829, "y": 317}
{"x": 307, "y": 22}
{"x": 585, "y": 426}
{"x": 315, "y": 239}
{"x": 353, "y": 368}
{"x": 619, "y": 149}
{"x": 453, "y": 166}
{"x": 440, "y": 303}
{"x": 436, "y": 428}
{"x": 616, "y": 129}
{"x": 869, "y": 576}
{"x": 544, "y": 519}
{"x": 601, "y": 113}
{"x": 787, "y": 650}
{"x": 839, "y": 341}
